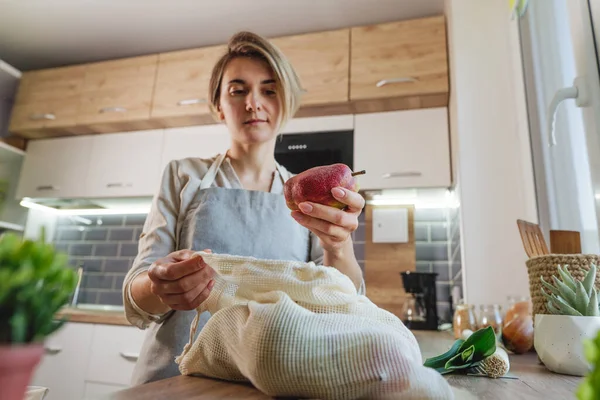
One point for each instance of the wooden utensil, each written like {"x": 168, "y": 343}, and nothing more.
{"x": 533, "y": 239}
{"x": 565, "y": 242}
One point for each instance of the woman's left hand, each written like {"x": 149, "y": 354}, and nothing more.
{"x": 332, "y": 225}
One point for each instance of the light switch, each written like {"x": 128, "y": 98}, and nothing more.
{"x": 390, "y": 225}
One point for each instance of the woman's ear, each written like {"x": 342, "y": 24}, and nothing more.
{"x": 221, "y": 114}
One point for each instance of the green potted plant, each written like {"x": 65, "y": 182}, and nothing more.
{"x": 574, "y": 317}
{"x": 35, "y": 282}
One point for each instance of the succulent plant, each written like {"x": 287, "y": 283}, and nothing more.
{"x": 570, "y": 296}
{"x": 35, "y": 282}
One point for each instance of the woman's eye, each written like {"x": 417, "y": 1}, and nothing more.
{"x": 270, "y": 92}
{"x": 237, "y": 92}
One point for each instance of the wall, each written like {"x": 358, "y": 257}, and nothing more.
{"x": 490, "y": 140}
{"x": 105, "y": 247}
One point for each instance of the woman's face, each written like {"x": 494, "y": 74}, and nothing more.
{"x": 249, "y": 102}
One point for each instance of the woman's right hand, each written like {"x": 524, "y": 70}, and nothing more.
{"x": 181, "y": 280}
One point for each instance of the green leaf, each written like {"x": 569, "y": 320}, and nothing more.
{"x": 567, "y": 278}
{"x": 565, "y": 291}
{"x": 564, "y": 308}
{"x": 593, "y": 309}
{"x": 440, "y": 361}
{"x": 461, "y": 360}
{"x": 581, "y": 299}
{"x": 484, "y": 341}
{"x": 589, "y": 280}
{"x": 548, "y": 286}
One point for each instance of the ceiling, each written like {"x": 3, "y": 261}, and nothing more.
{"x": 41, "y": 33}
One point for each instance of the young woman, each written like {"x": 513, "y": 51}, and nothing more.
{"x": 232, "y": 203}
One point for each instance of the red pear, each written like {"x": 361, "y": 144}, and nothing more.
{"x": 315, "y": 185}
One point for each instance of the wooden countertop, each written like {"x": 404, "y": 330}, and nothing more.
{"x": 93, "y": 316}
{"x": 533, "y": 381}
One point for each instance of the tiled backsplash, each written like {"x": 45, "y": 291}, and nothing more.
{"x": 438, "y": 250}
{"x": 105, "y": 247}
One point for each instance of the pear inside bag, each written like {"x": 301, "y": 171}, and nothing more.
{"x": 301, "y": 329}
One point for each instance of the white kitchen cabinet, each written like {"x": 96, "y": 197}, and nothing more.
{"x": 403, "y": 149}
{"x": 115, "y": 350}
{"x": 63, "y": 366}
{"x": 197, "y": 141}
{"x": 125, "y": 164}
{"x": 55, "y": 168}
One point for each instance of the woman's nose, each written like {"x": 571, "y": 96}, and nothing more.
{"x": 253, "y": 102}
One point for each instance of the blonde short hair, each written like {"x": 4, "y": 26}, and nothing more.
{"x": 251, "y": 45}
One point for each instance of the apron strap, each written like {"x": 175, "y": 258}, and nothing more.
{"x": 211, "y": 174}
{"x": 281, "y": 171}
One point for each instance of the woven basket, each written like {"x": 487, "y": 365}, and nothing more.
{"x": 547, "y": 265}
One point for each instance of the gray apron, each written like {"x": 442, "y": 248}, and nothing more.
{"x": 227, "y": 221}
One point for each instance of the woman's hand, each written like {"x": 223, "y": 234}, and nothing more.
{"x": 182, "y": 280}
{"x": 332, "y": 225}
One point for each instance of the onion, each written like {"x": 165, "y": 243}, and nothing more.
{"x": 518, "y": 309}
{"x": 517, "y": 334}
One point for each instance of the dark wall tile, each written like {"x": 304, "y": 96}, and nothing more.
{"x": 443, "y": 270}
{"x": 87, "y": 296}
{"x": 359, "y": 251}
{"x": 97, "y": 281}
{"x": 430, "y": 215}
{"x": 135, "y": 219}
{"x": 359, "y": 233}
{"x": 88, "y": 264}
{"x": 432, "y": 251}
{"x": 439, "y": 232}
{"x": 442, "y": 291}
{"x": 121, "y": 234}
{"x": 129, "y": 250}
{"x": 64, "y": 247}
{"x": 422, "y": 232}
{"x": 80, "y": 249}
{"x": 106, "y": 249}
{"x": 111, "y": 298}
{"x": 361, "y": 216}
{"x": 96, "y": 234}
{"x": 138, "y": 233}
{"x": 109, "y": 220}
{"x": 118, "y": 282}
{"x": 117, "y": 265}
{"x": 423, "y": 266}
{"x": 70, "y": 234}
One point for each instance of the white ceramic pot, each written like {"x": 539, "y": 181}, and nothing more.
{"x": 558, "y": 341}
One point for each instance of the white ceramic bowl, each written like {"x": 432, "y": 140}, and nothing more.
{"x": 558, "y": 341}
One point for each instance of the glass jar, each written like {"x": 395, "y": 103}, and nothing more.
{"x": 464, "y": 318}
{"x": 490, "y": 315}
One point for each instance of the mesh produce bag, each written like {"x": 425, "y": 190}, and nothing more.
{"x": 301, "y": 329}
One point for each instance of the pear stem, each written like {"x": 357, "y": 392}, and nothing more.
{"x": 359, "y": 173}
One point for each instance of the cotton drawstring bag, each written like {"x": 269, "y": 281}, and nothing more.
{"x": 296, "y": 329}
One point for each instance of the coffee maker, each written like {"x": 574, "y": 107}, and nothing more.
{"x": 420, "y": 309}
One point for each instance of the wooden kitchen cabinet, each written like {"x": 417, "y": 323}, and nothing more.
{"x": 405, "y": 58}
{"x": 117, "y": 91}
{"x": 47, "y": 99}
{"x": 64, "y": 364}
{"x": 55, "y": 168}
{"x": 196, "y": 141}
{"x": 125, "y": 164}
{"x": 403, "y": 149}
{"x": 322, "y": 61}
{"x": 182, "y": 83}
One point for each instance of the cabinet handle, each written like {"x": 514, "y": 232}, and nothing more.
{"x": 37, "y": 117}
{"x": 118, "y": 185}
{"x": 189, "y": 102}
{"x": 408, "y": 174}
{"x": 52, "y": 350}
{"x": 113, "y": 109}
{"x": 129, "y": 356}
{"x": 384, "y": 82}
{"x": 46, "y": 187}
